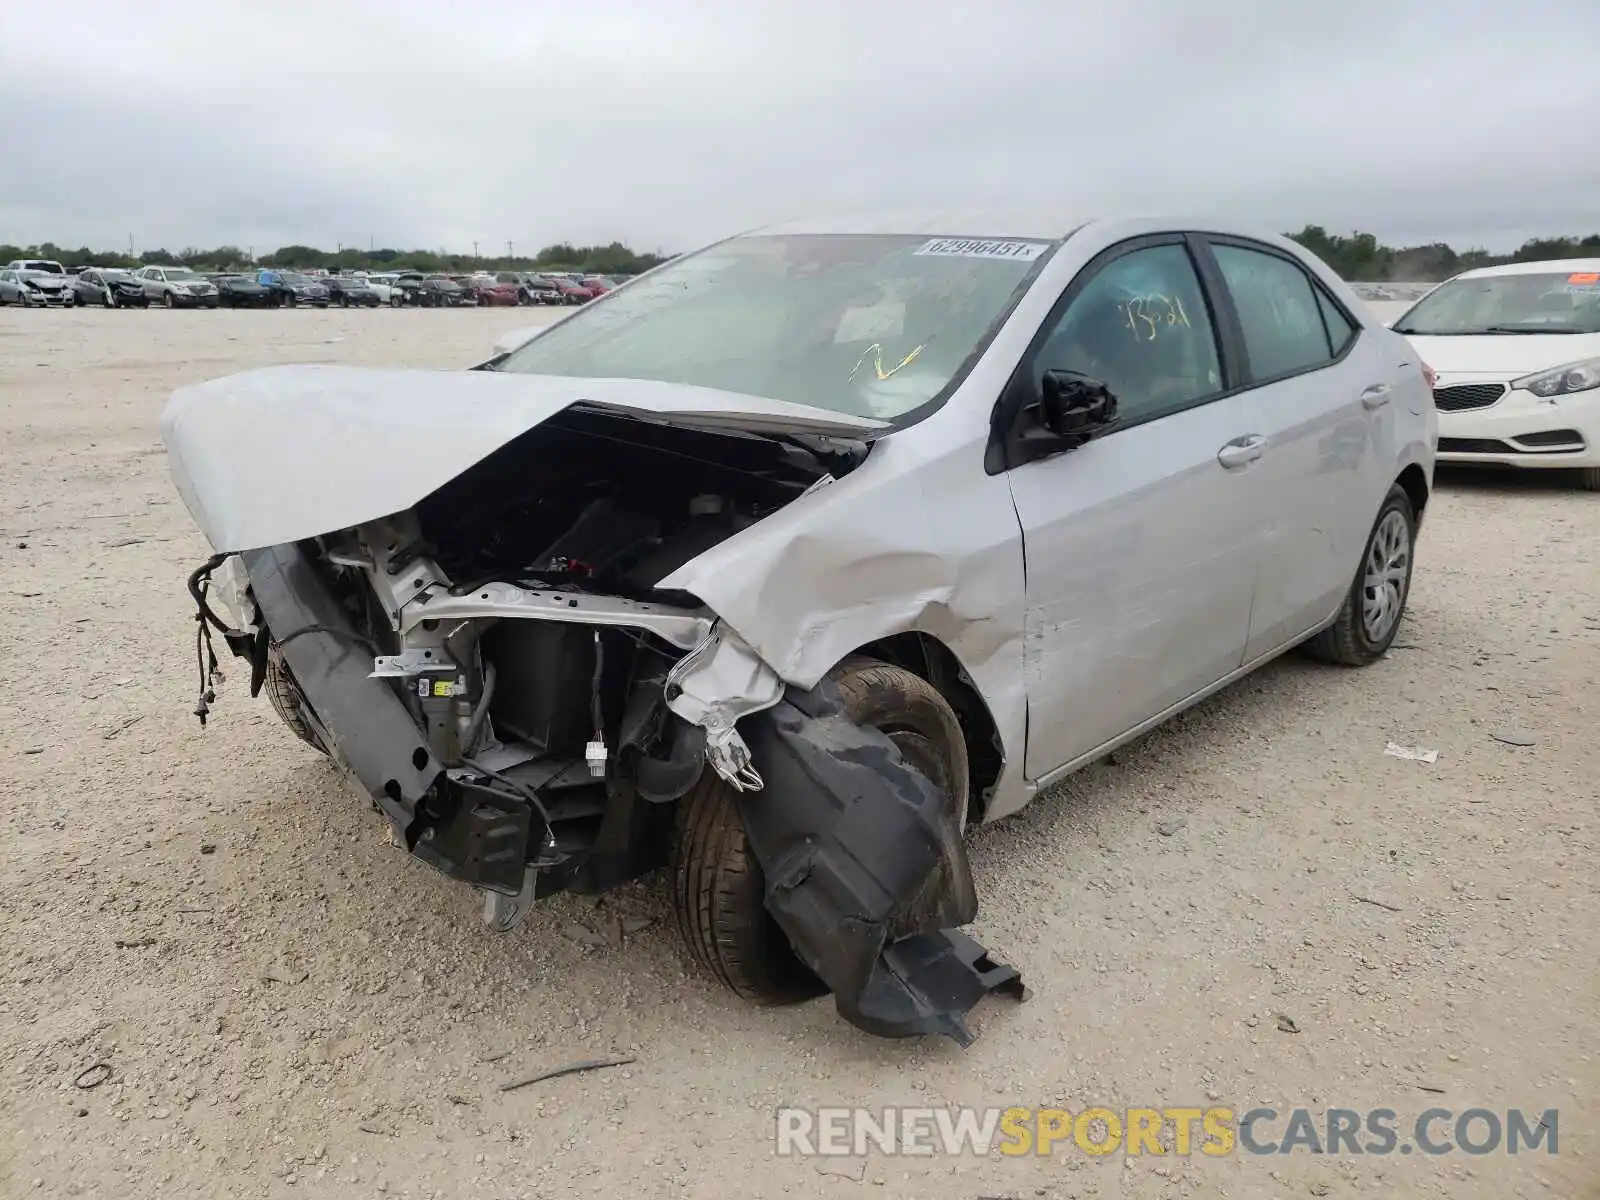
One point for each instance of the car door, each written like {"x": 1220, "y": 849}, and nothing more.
{"x": 1140, "y": 546}
{"x": 1322, "y": 394}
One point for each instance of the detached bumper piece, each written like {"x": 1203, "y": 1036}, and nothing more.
{"x": 471, "y": 832}
{"x": 846, "y": 832}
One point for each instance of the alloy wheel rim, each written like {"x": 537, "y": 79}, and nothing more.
{"x": 1386, "y": 576}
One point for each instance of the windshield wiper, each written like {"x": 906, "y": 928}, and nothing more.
{"x": 1525, "y": 329}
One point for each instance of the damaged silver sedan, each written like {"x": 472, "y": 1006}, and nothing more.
{"x": 785, "y": 563}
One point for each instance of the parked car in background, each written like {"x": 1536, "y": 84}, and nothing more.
{"x": 110, "y": 286}
{"x": 489, "y": 291}
{"x": 38, "y": 289}
{"x": 177, "y": 287}
{"x": 238, "y": 290}
{"x": 47, "y": 265}
{"x": 11, "y": 288}
{"x": 347, "y": 290}
{"x": 440, "y": 291}
{"x": 1516, "y": 351}
{"x": 544, "y": 290}
{"x": 598, "y": 285}
{"x": 532, "y": 288}
{"x": 292, "y": 288}
{"x": 409, "y": 286}
{"x": 570, "y": 290}
{"x": 383, "y": 287}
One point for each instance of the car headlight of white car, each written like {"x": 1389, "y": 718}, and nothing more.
{"x": 1577, "y": 376}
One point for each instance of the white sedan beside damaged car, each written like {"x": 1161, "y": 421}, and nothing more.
{"x": 784, "y": 563}
{"x": 1517, "y": 352}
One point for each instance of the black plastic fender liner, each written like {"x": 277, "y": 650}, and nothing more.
{"x": 468, "y": 833}
{"x": 845, "y": 832}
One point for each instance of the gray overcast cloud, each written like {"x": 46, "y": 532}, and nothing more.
{"x": 198, "y": 122}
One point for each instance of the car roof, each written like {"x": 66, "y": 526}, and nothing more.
{"x": 1549, "y": 266}
{"x": 953, "y": 222}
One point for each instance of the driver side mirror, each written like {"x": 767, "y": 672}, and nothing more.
{"x": 1075, "y": 407}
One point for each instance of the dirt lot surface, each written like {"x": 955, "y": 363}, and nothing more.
{"x": 289, "y": 1005}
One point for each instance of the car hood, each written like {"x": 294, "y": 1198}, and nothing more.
{"x": 1506, "y": 354}
{"x": 48, "y": 282}
{"x": 285, "y": 453}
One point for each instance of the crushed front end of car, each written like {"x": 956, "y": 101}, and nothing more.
{"x": 450, "y": 584}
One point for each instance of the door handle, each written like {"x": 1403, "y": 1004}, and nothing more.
{"x": 1375, "y": 396}
{"x": 1242, "y": 451}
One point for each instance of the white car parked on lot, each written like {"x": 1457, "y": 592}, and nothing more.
{"x": 785, "y": 562}
{"x": 1516, "y": 349}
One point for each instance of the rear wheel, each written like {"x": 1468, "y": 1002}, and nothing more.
{"x": 1370, "y": 616}
{"x": 717, "y": 885}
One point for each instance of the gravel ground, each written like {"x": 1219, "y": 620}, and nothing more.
{"x": 289, "y": 1005}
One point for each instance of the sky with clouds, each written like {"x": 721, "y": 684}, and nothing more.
{"x": 666, "y": 124}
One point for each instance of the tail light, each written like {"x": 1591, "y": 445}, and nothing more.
{"x": 1431, "y": 376}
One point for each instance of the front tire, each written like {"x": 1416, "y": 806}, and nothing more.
{"x": 1370, "y": 616}
{"x": 718, "y": 889}
{"x": 170, "y": 300}
{"x": 287, "y": 701}
{"x": 1589, "y": 479}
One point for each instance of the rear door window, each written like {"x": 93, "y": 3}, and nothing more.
{"x": 1280, "y": 312}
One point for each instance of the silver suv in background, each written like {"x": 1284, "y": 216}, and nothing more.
{"x": 177, "y": 287}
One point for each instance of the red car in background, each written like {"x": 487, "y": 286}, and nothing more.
{"x": 572, "y": 292}
{"x": 490, "y": 291}
{"x": 598, "y": 285}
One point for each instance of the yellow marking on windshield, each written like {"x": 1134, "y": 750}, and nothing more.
{"x": 876, "y": 351}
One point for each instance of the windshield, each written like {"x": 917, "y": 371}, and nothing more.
{"x": 1564, "y": 302}
{"x": 296, "y": 280}
{"x": 874, "y": 325}
{"x": 46, "y": 267}
{"x": 114, "y": 275}
{"x": 180, "y": 273}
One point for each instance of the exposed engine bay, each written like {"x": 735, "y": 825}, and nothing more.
{"x": 619, "y": 503}
{"x": 498, "y": 670}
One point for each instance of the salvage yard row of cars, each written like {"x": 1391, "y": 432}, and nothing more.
{"x": 43, "y": 283}
{"x": 786, "y": 565}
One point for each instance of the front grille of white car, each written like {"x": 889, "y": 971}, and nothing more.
{"x": 1464, "y": 396}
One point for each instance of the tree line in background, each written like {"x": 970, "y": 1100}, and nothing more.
{"x": 1358, "y": 257}
{"x": 596, "y": 260}
{"x": 1362, "y": 258}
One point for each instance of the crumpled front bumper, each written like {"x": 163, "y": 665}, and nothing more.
{"x": 477, "y": 835}
{"x": 845, "y": 831}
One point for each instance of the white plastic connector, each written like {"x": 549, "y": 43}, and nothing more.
{"x": 595, "y": 754}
